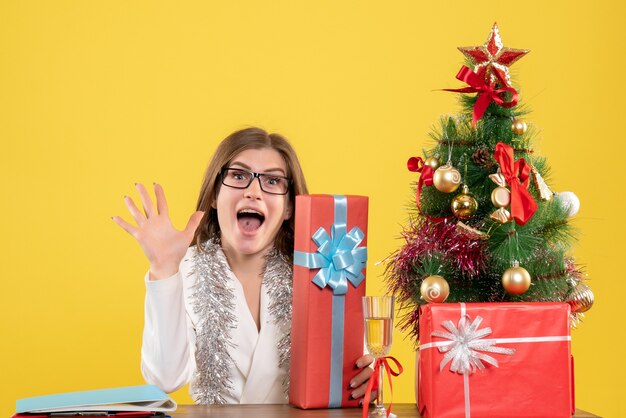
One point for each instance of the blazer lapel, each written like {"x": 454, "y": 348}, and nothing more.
{"x": 245, "y": 336}
{"x": 263, "y": 382}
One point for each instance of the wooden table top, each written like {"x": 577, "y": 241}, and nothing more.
{"x": 287, "y": 411}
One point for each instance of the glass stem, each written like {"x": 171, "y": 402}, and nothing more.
{"x": 379, "y": 395}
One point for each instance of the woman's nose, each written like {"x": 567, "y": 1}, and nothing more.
{"x": 254, "y": 189}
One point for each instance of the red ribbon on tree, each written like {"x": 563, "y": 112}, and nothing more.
{"x": 374, "y": 380}
{"x": 487, "y": 93}
{"x": 517, "y": 175}
{"x": 416, "y": 165}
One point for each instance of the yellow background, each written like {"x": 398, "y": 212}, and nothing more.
{"x": 97, "y": 95}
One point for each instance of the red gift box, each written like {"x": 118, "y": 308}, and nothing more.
{"x": 536, "y": 380}
{"x": 328, "y": 286}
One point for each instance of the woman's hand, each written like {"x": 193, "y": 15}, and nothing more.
{"x": 359, "y": 382}
{"x": 163, "y": 245}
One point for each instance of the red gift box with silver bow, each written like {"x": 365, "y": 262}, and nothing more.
{"x": 484, "y": 360}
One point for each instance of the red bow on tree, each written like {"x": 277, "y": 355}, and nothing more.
{"x": 487, "y": 93}
{"x": 416, "y": 164}
{"x": 517, "y": 175}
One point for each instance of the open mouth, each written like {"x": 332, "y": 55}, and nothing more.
{"x": 249, "y": 219}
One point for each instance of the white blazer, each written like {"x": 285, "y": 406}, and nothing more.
{"x": 169, "y": 340}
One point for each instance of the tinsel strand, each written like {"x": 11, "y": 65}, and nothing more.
{"x": 424, "y": 238}
{"x": 214, "y": 304}
{"x": 278, "y": 280}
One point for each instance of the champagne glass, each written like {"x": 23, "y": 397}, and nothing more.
{"x": 378, "y": 314}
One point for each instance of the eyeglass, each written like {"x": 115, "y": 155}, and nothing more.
{"x": 239, "y": 178}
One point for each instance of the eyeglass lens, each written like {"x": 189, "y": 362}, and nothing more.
{"x": 241, "y": 179}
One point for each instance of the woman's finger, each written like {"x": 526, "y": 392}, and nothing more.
{"x": 139, "y": 217}
{"x": 359, "y": 392}
{"x": 361, "y": 378}
{"x": 161, "y": 202}
{"x": 125, "y": 225}
{"x": 148, "y": 206}
{"x": 364, "y": 361}
{"x": 373, "y": 396}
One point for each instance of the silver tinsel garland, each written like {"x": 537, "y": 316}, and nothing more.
{"x": 278, "y": 280}
{"x": 214, "y": 303}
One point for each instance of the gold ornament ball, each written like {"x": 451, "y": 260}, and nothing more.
{"x": 519, "y": 127}
{"x": 516, "y": 280}
{"x": 435, "y": 289}
{"x": 433, "y": 162}
{"x": 464, "y": 205}
{"x": 581, "y": 299}
{"x": 501, "y": 197}
{"x": 447, "y": 179}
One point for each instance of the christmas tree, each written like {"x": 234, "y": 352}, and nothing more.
{"x": 485, "y": 226}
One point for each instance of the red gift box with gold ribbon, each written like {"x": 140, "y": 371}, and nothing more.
{"x": 499, "y": 360}
{"x": 328, "y": 286}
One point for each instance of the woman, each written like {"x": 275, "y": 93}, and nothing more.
{"x": 216, "y": 311}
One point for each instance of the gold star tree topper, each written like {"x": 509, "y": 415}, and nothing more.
{"x": 492, "y": 60}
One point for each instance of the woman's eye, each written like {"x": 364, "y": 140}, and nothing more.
{"x": 238, "y": 175}
{"x": 273, "y": 181}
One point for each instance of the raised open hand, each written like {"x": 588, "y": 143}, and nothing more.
{"x": 163, "y": 245}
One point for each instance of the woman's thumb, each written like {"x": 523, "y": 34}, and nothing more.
{"x": 194, "y": 221}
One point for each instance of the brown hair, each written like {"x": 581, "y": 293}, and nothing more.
{"x": 228, "y": 149}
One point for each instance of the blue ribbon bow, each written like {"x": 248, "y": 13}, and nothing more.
{"x": 338, "y": 256}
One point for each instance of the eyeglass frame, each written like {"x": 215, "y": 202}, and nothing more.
{"x": 255, "y": 176}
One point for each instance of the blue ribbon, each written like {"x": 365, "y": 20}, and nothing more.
{"x": 338, "y": 255}
{"x": 340, "y": 259}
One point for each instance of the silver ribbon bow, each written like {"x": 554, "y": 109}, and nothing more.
{"x": 467, "y": 347}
